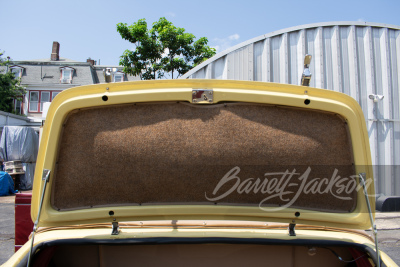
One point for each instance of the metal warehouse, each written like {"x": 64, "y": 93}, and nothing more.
{"x": 356, "y": 58}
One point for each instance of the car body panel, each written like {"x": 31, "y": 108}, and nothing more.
{"x": 250, "y": 232}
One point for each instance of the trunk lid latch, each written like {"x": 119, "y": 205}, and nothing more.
{"x": 202, "y": 96}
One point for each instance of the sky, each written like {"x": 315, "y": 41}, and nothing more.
{"x": 88, "y": 28}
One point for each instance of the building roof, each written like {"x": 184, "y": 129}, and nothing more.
{"x": 273, "y": 34}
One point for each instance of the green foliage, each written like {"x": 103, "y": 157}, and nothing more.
{"x": 10, "y": 88}
{"x": 3, "y": 61}
{"x": 162, "y": 50}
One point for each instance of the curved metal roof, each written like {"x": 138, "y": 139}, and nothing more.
{"x": 281, "y": 32}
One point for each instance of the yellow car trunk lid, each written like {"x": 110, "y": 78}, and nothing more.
{"x": 203, "y": 149}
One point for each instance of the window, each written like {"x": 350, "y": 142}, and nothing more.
{"x": 17, "y": 70}
{"x": 33, "y": 101}
{"x": 44, "y": 97}
{"x": 118, "y": 76}
{"x": 66, "y": 74}
{"x": 37, "y": 98}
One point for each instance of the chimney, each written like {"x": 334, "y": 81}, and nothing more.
{"x": 91, "y": 61}
{"x": 55, "y": 51}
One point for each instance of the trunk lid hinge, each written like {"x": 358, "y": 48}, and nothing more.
{"x": 362, "y": 177}
{"x": 45, "y": 178}
{"x": 292, "y": 229}
{"x": 115, "y": 228}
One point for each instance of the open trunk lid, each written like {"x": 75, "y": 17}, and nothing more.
{"x": 204, "y": 149}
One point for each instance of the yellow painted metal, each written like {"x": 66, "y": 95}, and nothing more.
{"x": 104, "y": 234}
{"x": 181, "y": 90}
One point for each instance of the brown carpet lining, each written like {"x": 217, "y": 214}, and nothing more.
{"x": 178, "y": 153}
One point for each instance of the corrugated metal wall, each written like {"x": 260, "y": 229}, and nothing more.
{"x": 358, "y": 59}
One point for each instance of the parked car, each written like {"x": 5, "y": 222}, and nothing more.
{"x": 202, "y": 173}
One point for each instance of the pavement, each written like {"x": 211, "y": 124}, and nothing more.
{"x": 388, "y": 225}
{"x": 7, "y": 228}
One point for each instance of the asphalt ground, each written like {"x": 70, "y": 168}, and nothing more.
{"x": 388, "y": 225}
{"x": 7, "y": 228}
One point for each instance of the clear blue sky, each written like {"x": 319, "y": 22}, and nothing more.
{"x": 88, "y": 28}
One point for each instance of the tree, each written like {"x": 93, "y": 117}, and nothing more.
{"x": 10, "y": 87}
{"x": 164, "y": 49}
